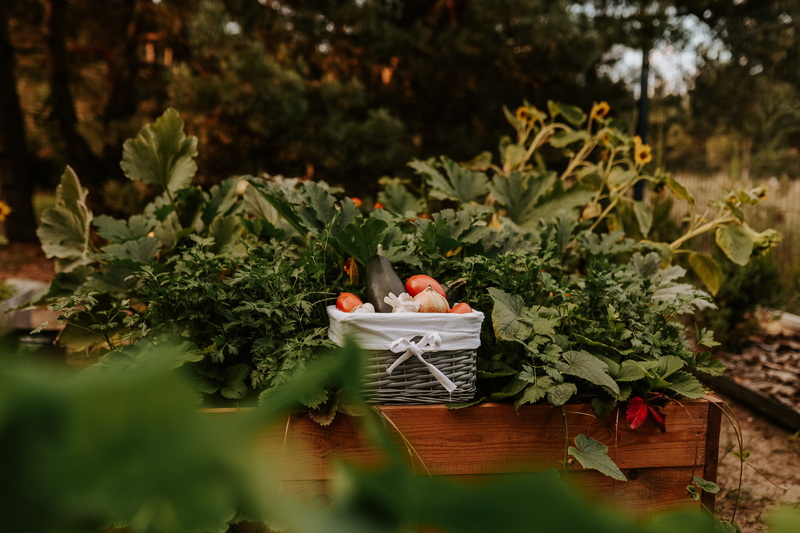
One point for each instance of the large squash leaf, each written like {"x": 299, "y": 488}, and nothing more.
{"x": 396, "y": 199}
{"x": 161, "y": 154}
{"x": 64, "y": 230}
{"x": 561, "y": 199}
{"x": 736, "y": 242}
{"x": 519, "y": 193}
{"x": 460, "y": 183}
{"x": 118, "y": 231}
{"x": 360, "y": 240}
{"x": 505, "y": 316}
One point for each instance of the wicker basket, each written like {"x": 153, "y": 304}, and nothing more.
{"x": 408, "y": 351}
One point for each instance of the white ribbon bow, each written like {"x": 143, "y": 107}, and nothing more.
{"x": 429, "y": 343}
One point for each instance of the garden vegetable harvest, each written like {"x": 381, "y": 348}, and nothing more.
{"x": 381, "y": 281}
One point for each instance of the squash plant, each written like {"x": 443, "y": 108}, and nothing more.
{"x": 583, "y": 307}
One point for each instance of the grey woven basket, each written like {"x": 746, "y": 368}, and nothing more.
{"x": 413, "y": 383}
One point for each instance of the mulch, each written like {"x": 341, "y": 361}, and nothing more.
{"x": 25, "y": 260}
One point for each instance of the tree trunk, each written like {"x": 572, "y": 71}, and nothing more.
{"x": 79, "y": 155}
{"x": 124, "y": 97}
{"x": 16, "y": 182}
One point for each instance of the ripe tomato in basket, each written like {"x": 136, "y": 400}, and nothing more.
{"x": 347, "y": 302}
{"x": 417, "y": 284}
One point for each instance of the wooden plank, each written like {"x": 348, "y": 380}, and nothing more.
{"x": 492, "y": 438}
{"x": 712, "y": 449}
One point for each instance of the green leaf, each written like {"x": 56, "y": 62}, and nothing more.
{"x": 565, "y": 139}
{"x": 619, "y": 178}
{"x": 64, "y": 230}
{"x": 629, "y": 371}
{"x": 511, "y": 389}
{"x": 514, "y": 155}
{"x": 573, "y": 114}
{"x": 534, "y": 392}
{"x": 132, "y": 253}
{"x": 481, "y": 162}
{"x": 561, "y": 393}
{"x": 461, "y": 184}
{"x": 115, "y": 230}
{"x": 706, "y": 338}
{"x": 273, "y": 193}
{"x": 560, "y": 199}
{"x": 708, "y": 486}
{"x": 665, "y": 366}
{"x": 360, "y": 241}
{"x": 736, "y": 242}
{"x": 315, "y": 399}
{"x": 396, "y": 199}
{"x": 692, "y": 492}
{"x": 221, "y": 198}
{"x": 505, "y": 316}
{"x": 663, "y": 249}
{"x": 709, "y": 271}
{"x": 586, "y": 366}
{"x": 169, "y": 231}
{"x": 347, "y": 215}
{"x": 644, "y": 216}
{"x": 224, "y": 231}
{"x": 234, "y": 386}
{"x": 728, "y": 527}
{"x": 319, "y": 207}
{"x": 161, "y": 154}
{"x": 679, "y": 190}
{"x": 519, "y": 193}
{"x": 257, "y": 205}
{"x": 686, "y": 385}
{"x": 593, "y": 455}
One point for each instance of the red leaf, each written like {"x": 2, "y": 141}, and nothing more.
{"x": 637, "y": 413}
{"x": 659, "y": 416}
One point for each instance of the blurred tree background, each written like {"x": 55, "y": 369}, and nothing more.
{"x": 349, "y": 91}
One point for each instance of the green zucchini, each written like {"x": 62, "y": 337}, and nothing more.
{"x": 381, "y": 279}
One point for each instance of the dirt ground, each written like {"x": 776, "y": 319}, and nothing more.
{"x": 771, "y": 476}
{"x": 27, "y": 261}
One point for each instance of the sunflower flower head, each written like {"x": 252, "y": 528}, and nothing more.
{"x": 641, "y": 152}
{"x": 5, "y": 210}
{"x": 600, "y": 110}
{"x": 525, "y": 114}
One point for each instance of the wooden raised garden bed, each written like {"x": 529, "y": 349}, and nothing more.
{"x": 469, "y": 443}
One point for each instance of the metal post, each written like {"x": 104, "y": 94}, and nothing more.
{"x": 644, "y": 114}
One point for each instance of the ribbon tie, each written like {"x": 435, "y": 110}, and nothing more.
{"x": 429, "y": 343}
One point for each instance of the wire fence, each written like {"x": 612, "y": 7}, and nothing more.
{"x": 780, "y": 211}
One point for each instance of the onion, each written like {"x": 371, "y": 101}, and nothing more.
{"x": 431, "y": 301}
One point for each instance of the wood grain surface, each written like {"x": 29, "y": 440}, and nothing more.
{"x": 469, "y": 444}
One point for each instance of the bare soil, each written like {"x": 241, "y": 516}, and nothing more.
{"x": 25, "y": 260}
{"x": 771, "y": 475}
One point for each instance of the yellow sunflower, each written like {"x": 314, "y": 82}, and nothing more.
{"x": 641, "y": 151}
{"x": 600, "y": 110}
{"x": 524, "y": 114}
{"x": 5, "y": 210}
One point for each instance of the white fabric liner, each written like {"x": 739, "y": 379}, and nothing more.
{"x": 377, "y": 331}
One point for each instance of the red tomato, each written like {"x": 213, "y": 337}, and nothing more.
{"x": 417, "y": 284}
{"x": 461, "y": 309}
{"x": 347, "y": 302}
